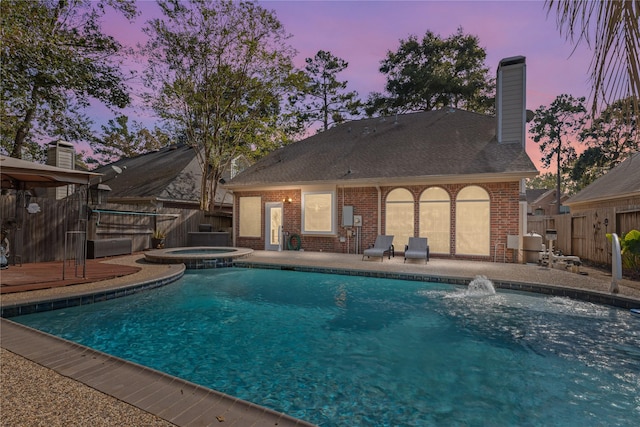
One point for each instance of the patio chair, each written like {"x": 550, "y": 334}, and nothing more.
{"x": 382, "y": 245}
{"x": 417, "y": 248}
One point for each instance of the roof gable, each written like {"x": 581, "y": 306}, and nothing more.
{"x": 533, "y": 195}
{"x": 171, "y": 172}
{"x": 427, "y": 144}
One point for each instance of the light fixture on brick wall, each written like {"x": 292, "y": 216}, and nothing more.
{"x": 287, "y": 200}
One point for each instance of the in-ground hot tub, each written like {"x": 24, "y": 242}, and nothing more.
{"x": 198, "y": 256}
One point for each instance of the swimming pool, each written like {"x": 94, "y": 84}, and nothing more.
{"x": 343, "y": 350}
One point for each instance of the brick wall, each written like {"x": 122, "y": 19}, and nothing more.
{"x": 504, "y": 216}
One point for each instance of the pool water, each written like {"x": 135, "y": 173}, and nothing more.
{"x": 352, "y": 351}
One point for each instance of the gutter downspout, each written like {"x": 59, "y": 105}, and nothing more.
{"x": 522, "y": 221}
{"x": 234, "y": 212}
{"x": 379, "y": 209}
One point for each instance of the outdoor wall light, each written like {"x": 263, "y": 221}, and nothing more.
{"x": 287, "y": 200}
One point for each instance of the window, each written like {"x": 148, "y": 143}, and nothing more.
{"x": 250, "y": 216}
{"x": 318, "y": 212}
{"x": 435, "y": 219}
{"x": 399, "y": 216}
{"x": 473, "y": 224}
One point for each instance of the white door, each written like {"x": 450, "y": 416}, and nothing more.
{"x": 273, "y": 226}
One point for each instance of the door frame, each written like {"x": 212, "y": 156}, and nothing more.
{"x": 268, "y": 206}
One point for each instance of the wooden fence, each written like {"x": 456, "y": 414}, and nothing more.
{"x": 40, "y": 237}
{"x": 139, "y": 224}
{"x": 584, "y": 233}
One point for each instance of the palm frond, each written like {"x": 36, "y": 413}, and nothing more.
{"x": 611, "y": 28}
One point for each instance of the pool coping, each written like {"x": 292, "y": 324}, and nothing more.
{"x": 182, "y": 402}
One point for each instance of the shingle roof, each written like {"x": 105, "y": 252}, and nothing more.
{"x": 169, "y": 173}
{"x": 621, "y": 181}
{"x": 419, "y": 145}
{"x": 534, "y": 194}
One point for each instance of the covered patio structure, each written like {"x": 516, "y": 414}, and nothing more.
{"x": 20, "y": 174}
{"x": 20, "y": 179}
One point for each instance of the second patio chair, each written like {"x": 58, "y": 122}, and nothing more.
{"x": 382, "y": 245}
{"x": 417, "y": 249}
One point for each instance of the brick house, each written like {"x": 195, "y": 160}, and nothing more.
{"x": 450, "y": 175}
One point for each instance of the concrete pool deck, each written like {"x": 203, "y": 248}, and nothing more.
{"x": 49, "y": 381}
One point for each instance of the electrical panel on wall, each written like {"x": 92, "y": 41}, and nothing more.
{"x": 347, "y": 216}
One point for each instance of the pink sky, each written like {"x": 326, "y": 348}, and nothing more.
{"x": 362, "y": 32}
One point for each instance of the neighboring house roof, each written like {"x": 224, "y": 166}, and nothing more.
{"x": 435, "y": 145}
{"x": 622, "y": 181}
{"x": 169, "y": 174}
{"x": 549, "y": 196}
{"x": 533, "y": 195}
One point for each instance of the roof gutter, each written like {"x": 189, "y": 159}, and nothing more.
{"x": 373, "y": 182}
{"x": 624, "y": 196}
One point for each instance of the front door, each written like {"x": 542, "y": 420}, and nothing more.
{"x": 273, "y": 227}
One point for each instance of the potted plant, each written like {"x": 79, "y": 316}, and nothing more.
{"x": 157, "y": 240}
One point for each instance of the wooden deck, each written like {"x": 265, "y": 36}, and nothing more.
{"x": 45, "y": 275}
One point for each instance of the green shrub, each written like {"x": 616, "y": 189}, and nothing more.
{"x": 630, "y": 248}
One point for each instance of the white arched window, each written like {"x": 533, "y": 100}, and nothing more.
{"x": 399, "y": 216}
{"x": 473, "y": 222}
{"x": 435, "y": 219}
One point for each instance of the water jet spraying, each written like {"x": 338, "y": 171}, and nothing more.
{"x": 480, "y": 286}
